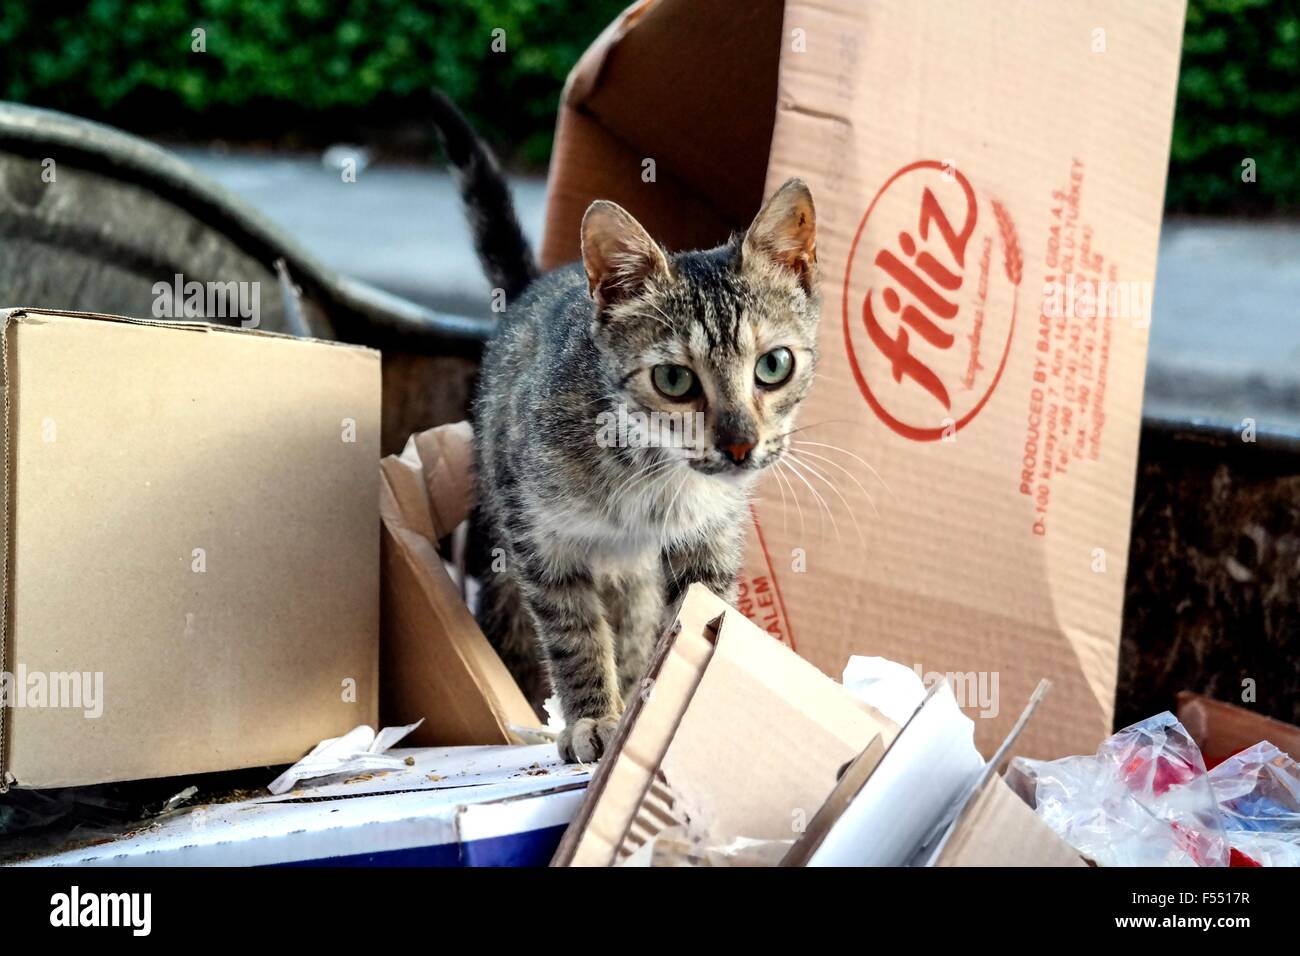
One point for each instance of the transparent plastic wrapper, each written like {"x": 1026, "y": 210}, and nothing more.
{"x": 1258, "y": 791}
{"x": 1146, "y": 799}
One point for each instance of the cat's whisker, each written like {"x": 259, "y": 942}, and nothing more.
{"x": 655, "y": 467}
{"x": 780, "y": 483}
{"x": 835, "y": 464}
{"x": 780, "y": 463}
{"x": 798, "y": 472}
{"x": 666, "y": 319}
{"x": 845, "y": 451}
{"x": 617, "y": 493}
{"x": 667, "y": 512}
{"x": 799, "y": 467}
{"x": 829, "y": 421}
{"x": 822, "y": 506}
{"x": 835, "y": 488}
{"x": 673, "y": 500}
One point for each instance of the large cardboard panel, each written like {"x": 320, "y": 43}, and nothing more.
{"x": 987, "y": 167}
{"x": 1040, "y": 134}
{"x": 193, "y": 517}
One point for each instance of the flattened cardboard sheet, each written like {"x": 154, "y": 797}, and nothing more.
{"x": 989, "y": 181}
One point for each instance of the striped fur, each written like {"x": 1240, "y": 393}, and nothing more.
{"x": 489, "y": 208}
{"x": 588, "y": 545}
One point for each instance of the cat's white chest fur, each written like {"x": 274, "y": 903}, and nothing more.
{"x": 673, "y": 512}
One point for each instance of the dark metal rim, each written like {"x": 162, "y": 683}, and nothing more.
{"x": 360, "y": 312}
{"x": 1218, "y": 433}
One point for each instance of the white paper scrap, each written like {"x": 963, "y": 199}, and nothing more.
{"x": 915, "y": 788}
{"x": 888, "y": 686}
{"x": 358, "y": 750}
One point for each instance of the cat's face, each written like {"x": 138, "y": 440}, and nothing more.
{"x": 715, "y": 350}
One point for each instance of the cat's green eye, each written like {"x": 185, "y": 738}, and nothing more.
{"x": 774, "y": 367}
{"x": 673, "y": 381}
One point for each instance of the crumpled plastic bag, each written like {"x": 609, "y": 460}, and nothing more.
{"x": 1146, "y": 799}
{"x": 1258, "y": 791}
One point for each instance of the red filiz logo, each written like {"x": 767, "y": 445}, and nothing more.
{"x": 929, "y": 329}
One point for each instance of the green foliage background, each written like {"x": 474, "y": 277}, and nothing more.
{"x": 1238, "y": 98}
{"x": 273, "y": 67}
{"x": 303, "y": 71}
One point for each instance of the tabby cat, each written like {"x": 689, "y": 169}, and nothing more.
{"x": 625, "y": 409}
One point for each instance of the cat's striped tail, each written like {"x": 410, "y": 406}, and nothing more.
{"x": 489, "y": 208}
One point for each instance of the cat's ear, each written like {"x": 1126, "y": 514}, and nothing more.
{"x": 784, "y": 233}
{"x": 618, "y": 254}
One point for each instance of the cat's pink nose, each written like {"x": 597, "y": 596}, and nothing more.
{"x": 739, "y": 451}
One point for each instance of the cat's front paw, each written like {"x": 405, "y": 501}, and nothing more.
{"x": 587, "y": 739}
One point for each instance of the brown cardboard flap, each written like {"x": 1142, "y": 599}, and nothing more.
{"x": 1002, "y": 830}
{"x": 625, "y": 776}
{"x": 447, "y": 456}
{"x": 848, "y": 786}
{"x": 996, "y": 827}
{"x": 436, "y": 664}
{"x": 622, "y": 108}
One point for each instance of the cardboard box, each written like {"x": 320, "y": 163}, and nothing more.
{"x": 738, "y": 736}
{"x": 435, "y": 662}
{"x": 987, "y": 166}
{"x": 462, "y": 806}
{"x": 192, "y": 547}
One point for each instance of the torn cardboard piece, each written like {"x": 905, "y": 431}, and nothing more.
{"x": 1023, "y": 149}
{"x": 727, "y": 707}
{"x": 191, "y": 528}
{"x": 992, "y": 825}
{"x": 674, "y": 847}
{"x": 997, "y": 828}
{"x": 436, "y": 664}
